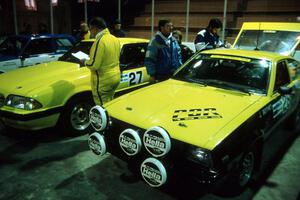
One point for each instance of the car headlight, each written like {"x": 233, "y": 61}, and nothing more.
{"x": 24, "y": 103}
{"x": 99, "y": 118}
{"x": 200, "y": 155}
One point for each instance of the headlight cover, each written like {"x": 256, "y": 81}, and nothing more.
{"x": 24, "y": 103}
{"x": 201, "y": 156}
{"x": 99, "y": 118}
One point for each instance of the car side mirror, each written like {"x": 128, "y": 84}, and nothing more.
{"x": 285, "y": 90}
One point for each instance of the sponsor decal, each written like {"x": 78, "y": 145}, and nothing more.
{"x": 153, "y": 172}
{"x": 98, "y": 118}
{"x": 266, "y": 110}
{"x": 130, "y": 142}
{"x": 135, "y": 77}
{"x": 124, "y": 78}
{"x": 281, "y": 106}
{"x": 132, "y": 78}
{"x": 97, "y": 144}
{"x": 193, "y": 114}
{"x": 157, "y": 141}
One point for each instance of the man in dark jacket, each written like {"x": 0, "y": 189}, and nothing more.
{"x": 117, "y": 31}
{"x": 208, "y": 38}
{"x": 163, "y": 55}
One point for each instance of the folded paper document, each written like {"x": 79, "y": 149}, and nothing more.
{"x": 80, "y": 55}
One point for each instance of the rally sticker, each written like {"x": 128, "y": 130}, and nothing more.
{"x": 157, "y": 141}
{"x": 193, "y": 114}
{"x": 281, "y": 106}
{"x": 153, "y": 172}
{"x": 124, "y": 78}
{"x": 130, "y": 142}
{"x": 133, "y": 78}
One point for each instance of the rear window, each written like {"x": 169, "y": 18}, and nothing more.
{"x": 39, "y": 46}
{"x": 274, "y": 41}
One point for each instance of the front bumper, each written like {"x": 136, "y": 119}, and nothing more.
{"x": 30, "y": 121}
{"x": 175, "y": 162}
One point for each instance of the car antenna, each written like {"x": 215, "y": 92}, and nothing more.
{"x": 257, "y": 38}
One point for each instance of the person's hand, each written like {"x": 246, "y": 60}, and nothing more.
{"x": 82, "y": 62}
{"x": 152, "y": 80}
{"x": 228, "y": 45}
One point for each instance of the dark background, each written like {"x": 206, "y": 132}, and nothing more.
{"x": 67, "y": 14}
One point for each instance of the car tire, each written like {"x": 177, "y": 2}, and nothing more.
{"x": 75, "y": 116}
{"x": 242, "y": 175}
{"x": 245, "y": 169}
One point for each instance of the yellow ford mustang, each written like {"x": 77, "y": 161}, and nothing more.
{"x": 211, "y": 118}
{"x": 59, "y": 92}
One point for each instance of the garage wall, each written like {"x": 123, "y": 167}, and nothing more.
{"x": 61, "y": 13}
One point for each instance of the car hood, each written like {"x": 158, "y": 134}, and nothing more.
{"x": 24, "y": 80}
{"x": 189, "y": 112}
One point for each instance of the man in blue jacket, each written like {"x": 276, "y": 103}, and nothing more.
{"x": 163, "y": 55}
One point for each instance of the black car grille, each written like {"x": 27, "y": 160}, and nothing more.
{"x": 175, "y": 160}
{"x": 112, "y": 136}
{"x": 2, "y": 99}
{"x": 118, "y": 126}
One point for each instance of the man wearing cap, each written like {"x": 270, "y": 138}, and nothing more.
{"x": 209, "y": 38}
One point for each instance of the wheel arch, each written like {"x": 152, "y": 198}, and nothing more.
{"x": 83, "y": 94}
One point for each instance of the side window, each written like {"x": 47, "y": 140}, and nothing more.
{"x": 282, "y": 75}
{"x": 39, "y": 46}
{"x": 62, "y": 45}
{"x": 132, "y": 55}
{"x": 294, "y": 68}
{"x": 297, "y": 53}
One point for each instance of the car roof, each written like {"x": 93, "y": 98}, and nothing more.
{"x": 247, "y": 53}
{"x": 279, "y": 26}
{"x": 36, "y": 36}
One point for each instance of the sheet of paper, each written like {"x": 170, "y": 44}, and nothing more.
{"x": 80, "y": 55}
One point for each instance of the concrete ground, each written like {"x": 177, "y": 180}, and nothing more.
{"x": 46, "y": 165}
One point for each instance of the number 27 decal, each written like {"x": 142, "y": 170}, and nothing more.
{"x": 135, "y": 77}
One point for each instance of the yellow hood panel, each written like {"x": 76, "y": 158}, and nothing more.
{"x": 41, "y": 75}
{"x": 189, "y": 112}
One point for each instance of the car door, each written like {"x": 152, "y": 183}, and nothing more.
{"x": 9, "y": 53}
{"x": 133, "y": 70}
{"x": 38, "y": 51}
{"x": 285, "y": 102}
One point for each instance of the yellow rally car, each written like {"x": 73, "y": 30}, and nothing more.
{"x": 280, "y": 37}
{"x": 44, "y": 95}
{"x": 211, "y": 118}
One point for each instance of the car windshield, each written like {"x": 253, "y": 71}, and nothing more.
{"x": 83, "y": 47}
{"x": 12, "y": 46}
{"x": 228, "y": 72}
{"x": 275, "y": 41}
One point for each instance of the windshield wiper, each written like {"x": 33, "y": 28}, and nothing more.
{"x": 198, "y": 81}
{"x": 228, "y": 85}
